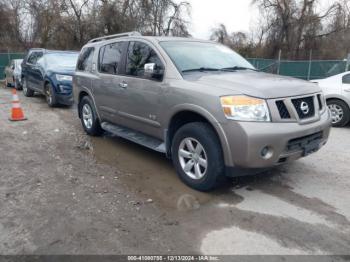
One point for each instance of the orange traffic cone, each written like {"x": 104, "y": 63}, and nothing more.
{"x": 17, "y": 113}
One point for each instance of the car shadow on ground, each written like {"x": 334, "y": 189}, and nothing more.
{"x": 151, "y": 175}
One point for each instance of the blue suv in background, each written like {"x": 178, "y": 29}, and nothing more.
{"x": 50, "y": 73}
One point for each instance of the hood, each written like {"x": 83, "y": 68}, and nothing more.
{"x": 62, "y": 71}
{"x": 254, "y": 84}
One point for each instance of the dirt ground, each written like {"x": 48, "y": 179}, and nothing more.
{"x": 62, "y": 192}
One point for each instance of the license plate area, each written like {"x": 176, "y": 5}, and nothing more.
{"x": 307, "y": 144}
{"x": 312, "y": 147}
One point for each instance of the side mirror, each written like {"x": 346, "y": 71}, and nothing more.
{"x": 150, "y": 69}
{"x": 154, "y": 72}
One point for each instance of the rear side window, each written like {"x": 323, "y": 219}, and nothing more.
{"x": 346, "y": 79}
{"x": 110, "y": 57}
{"x": 34, "y": 57}
{"x": 85, "y": 59}
{"x": 138, "y": 55}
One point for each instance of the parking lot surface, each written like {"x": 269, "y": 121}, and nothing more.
{"x": 62, "y": 192}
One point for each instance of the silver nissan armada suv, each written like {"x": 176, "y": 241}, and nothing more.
{"x": 198, "y": 102}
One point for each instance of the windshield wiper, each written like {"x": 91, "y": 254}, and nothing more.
{"x": 201, "y": 69}
{"x": 226, "y": 69}
{"x": 235, "y": 68}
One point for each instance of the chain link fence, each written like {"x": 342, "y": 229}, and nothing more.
{"x": 308, "y": 70}
{"x": 5, "y": 59}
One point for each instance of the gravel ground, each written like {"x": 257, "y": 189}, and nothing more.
{"x": 62, "y": 192}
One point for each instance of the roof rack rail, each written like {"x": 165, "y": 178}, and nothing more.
{"x": 108, "y": 37}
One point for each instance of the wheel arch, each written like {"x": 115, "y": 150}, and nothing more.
{"x": 338, "y": 97}
{"x": 48, "y": 80}
{"x": 189, "y": 114}
{"x": 82, "y": 93}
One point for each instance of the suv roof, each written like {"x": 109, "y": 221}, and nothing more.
{"x": 136, "y": 35}
{"x": 114, "y": 36}
{"x": 51, "y": 51}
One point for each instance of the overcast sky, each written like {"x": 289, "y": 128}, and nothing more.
{"x": 206, "y": 14}
{"x": 237, "y": 15}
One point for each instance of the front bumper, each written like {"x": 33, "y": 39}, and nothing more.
{"x": 18, "y": 80}
{"x": 246, "y": 141}
{"x": 65, "y": 99}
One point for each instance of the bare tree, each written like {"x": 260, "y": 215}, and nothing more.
{"x": 220, "y": 34}
{"x": 68, "y": 24}
{"x": 293, "y": 25}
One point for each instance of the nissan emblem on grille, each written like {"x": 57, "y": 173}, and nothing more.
{"x": 304, "y": 107}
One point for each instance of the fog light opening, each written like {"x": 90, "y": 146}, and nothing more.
{"x": 266, "y": 152}
{"x": 282, "y": 160}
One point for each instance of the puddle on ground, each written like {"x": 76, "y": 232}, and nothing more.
{"x": 148, "y": 173}
{"x": 152, "y": 176}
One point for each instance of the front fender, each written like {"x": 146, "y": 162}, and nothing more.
{"x": 51, "y": 81}
{"x": 212, "y": 120}
{"x": 340, "y": 97}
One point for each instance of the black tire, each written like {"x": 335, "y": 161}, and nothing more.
{"x": 26, "y": 90}
{"x": 50, "y": 95}
{"x": 16, "y": 84}
{"x": 6, "y": 82}
{"x": 206, "y": 136}
{"x": 95, "y": 129}
{"x": 346, "y": 112}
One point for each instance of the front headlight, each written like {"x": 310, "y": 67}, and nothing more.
{"x": 62, "y": 78}
{"x": 245, "y": 108}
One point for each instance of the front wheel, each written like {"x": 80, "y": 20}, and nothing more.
{"x": 340, "y": 112}
{"x": 50, "y": 96}
{"x": 16, "y": 84}
{"x": 6, "y": 82}
{"x": 197, "y": 156}
{"x": 26, "y": 90}
{"x": 89, "y": 119}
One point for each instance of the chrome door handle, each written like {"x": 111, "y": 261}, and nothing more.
{"x": 123, "y": 85}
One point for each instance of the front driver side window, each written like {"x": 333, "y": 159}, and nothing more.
{"x": 138, "y": 55}
{"x": 346, "y": 79}
{"x": 34, "y": 57}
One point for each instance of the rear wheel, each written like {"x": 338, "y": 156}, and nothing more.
{"x": 26, "y": 90}
{"x": 340, "y": 112}
{"x": 197, "y": 156}
{"x": 89, "y": 119}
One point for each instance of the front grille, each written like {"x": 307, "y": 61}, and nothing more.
{"x": 282, "y": 109}
{"x": 319, "y": 99}
{"x": 300, "y": 143}
{"x": 304, "y": 106}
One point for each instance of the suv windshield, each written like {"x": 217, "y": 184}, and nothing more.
{"x": 199, "y": 56}
{"x": 62, "y": 60}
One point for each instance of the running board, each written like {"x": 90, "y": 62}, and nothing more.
{"x": 136, "y": 137}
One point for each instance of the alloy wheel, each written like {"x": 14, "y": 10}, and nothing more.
{"x": 87, "y": 116}
{"x": 48, "y": 95}
{"x": 193, "y": 158}
{"x": 25, "y": 89}
{"x": 337, "y": 113}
